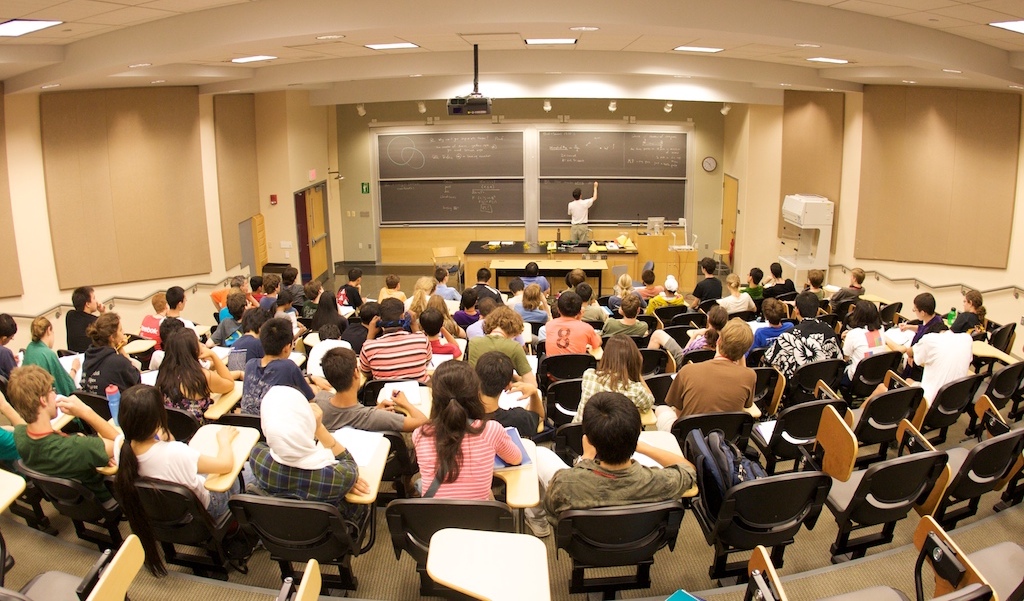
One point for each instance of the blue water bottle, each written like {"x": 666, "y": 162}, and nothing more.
{"x": 113, "y": 401}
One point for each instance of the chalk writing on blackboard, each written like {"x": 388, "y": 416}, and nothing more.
{"x": 402, "y": 151}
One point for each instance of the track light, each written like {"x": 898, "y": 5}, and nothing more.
{"x": 547, "y": 106}
{"x": 725, "y": 109}
{"x": 361, "y": 110}
{"x": 421, "y": 107}
{"x": 612, "y": 106}
{"x": 668, "y": 107}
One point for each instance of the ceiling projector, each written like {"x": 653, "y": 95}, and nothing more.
{"x": 474, "y": 104}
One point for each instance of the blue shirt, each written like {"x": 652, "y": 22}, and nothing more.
{"x": 448, "y": 293}
{"x": 537, "y": 279}
{"x": 764, "y": 337}
{"x": 258, "y": 380}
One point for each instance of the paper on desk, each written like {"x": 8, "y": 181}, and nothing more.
{"x": 149, "y": 377}
{"x": 411, "y": 390}
{"x": 645, "y": 460}
{"x": 360, "y": 443}
{"x": 438, "y": 359}
{"x": 898, "y": 337}
{"x": 66, "y": 363}
{"x": 511, "y": 400}
{"x": 532, "y": 360}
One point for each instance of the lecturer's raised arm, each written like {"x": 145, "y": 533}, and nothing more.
{"x": 595, "y": 192}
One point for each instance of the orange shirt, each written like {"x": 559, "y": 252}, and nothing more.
{"x": 569, "y": 335}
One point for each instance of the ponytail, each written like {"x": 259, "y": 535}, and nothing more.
{"x": 131, "y": 504}
{"x": 456, "y": 405}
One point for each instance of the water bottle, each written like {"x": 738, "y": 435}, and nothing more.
{"x": 113, "y": 401}
{"x": 951, "y": 316}
{"x": 558, "y": 235}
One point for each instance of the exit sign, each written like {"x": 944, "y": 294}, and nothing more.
{"x": 366, "y": 187}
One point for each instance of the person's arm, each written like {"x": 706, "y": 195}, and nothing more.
{"x": 74, "y": 407}
{"x": 414, "y": 418}
{"x": 224, "y": 460}
{"x": 324, "y": 437}
{"x": 218, "y": 377}
{"x": 504, "y": 447}
{"x": 664, "y": 458}
{"x": 9, "y": 412}
{"x": 536, "y": 404}
{"x": 594, "y": 197}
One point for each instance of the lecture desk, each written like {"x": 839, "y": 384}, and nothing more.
{"x": 985, "y": 350}
{"x": 548, "y": 267}
{"x": 11, "y": 487}
{"x": 454, "y": 560}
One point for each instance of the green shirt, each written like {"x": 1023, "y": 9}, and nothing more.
{"x": 615, "y": 326}
{"x": 62, "y": 456}
{"x": 37, "y": 353}
{"x": 506, "y": 346}
{"x": 755, "y": 292}
{"x": 588, "y": 485}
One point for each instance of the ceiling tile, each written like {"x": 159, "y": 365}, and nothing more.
{"x": 12, "y": 9}
{"x": 1010, "y": 7}
{"x": 919, "y": 5}
{"x": 933, "y": 20}
{"x": 591, "y": 41}
{"x": 185, "y": 6}
{"x": 872, "y": 8}
{"x": 974, "y": 14}
{"x": 74, "y": 10}
{"x": 128, "y": 16}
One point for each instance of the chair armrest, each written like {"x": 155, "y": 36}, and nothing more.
{"x": 892, "y": 380}
{"x": 780, "y": 389}
{"x": 93, "y": 575}
{"x": 762, "y": 562}
{"x": 826, "y": 390}
{"x": 927, "y": 526}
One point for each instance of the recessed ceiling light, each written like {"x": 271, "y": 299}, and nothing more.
{"x": 550, "y": 41}
{"x": 1016, "y": 87}
{"x": 329, "y": 37}
{"x": 552, "y": 73}
{"x": 1017, "y": 26}
{"x": 957, "y": 71}
{"x": 909, "y": 81}
{"x": 253, "y": 59}
{"x": 807, "y": 45}
{"x": 697, "y": 49}
{"x": 416, "y": 75}
{"x": 49, "y": 85}
{"x": 785, "y": 85}
{"x": 831, "y": 61}
{"x": 159, "y": 81}
{"x": 682, "y": 76}
{"x": 140, "y": 65}
{"x": 393, "y": 46}
{"x": 17, "y": 27}
{"x": 584, "y": 28}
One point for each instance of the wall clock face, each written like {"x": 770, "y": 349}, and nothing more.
{"x": 709, "y": 164}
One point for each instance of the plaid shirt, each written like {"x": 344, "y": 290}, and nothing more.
{"x": 593, "y": 384}
{"x": 327, "y": 485}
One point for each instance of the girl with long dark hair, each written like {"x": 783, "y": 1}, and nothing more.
{"x": 327, "y": 312}
{"x": 182, "y": 379}
{"x": 618, "y": 371}
{"x": 147, "y": 450}
{"x": 457, "y": 446}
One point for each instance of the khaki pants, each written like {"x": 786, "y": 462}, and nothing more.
{"x": 580, "y": 232}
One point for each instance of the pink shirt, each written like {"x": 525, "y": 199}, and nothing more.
{"x": 567, "y": 335}
{"x": 477, "y": 466}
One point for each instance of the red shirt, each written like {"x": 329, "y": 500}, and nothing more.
{"x": 567, "y": 335}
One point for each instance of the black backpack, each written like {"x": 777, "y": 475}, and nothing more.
{"x": 720, "y": 466}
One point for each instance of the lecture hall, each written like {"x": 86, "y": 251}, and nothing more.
{"x": 657, "y": 300}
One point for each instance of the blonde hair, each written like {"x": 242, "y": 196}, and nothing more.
{"x": 422, "y": 290}
{"x": 39, "y": 327}
{"x": 624, "y": 285}
{"x": 533, "y": 298}
{"x": 858, "y": 274}
{"x": 732, "y": 281}
{"x": 735, "y": 339}
{"x": 159, "y": 301}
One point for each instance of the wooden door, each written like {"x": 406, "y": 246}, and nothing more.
{"x": 316, "y": 225}
{"x": 730, "y": 200}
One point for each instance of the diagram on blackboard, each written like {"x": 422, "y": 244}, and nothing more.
{"x": 402, "y": 151}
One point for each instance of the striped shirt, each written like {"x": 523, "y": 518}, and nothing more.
{"x": 477, "y": 466}
{"x": 399, "y": 355}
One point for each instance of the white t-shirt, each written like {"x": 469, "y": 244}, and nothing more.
{"x": 732, "y": 304}
{"x": 860, "y": 344}
{"x": 945, "y": 357}
{"x": 171, "y": 461}
{"x": 316, "y": 355}
{"x": 579, "y": 210}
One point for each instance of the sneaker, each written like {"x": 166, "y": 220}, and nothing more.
{"x": 539, "y": 526}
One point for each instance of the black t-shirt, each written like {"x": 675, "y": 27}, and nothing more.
{"x": 355, "y": 335}
{"x": 779, "y": 289}
{"x": 485, "y": 291}
{"x": 76, "y": 322}
{"x": 708, "y": 288}
{"x": 352, "y": 297}
{"x": 523, "y": 420}
{"x": 964, "y": 322}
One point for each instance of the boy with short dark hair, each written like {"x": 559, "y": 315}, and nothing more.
{"x": 754, "y": 287}
{"x": 710, "y": 287}
{"x": 392, "y": 353}
{"x": 567, "y": 333}
{"x": 484, "y": 289}
{"x": 356, "y": 332}
{"x": 432, "y": 323}
{"x": 8, "y": 328}
{"x": 289, "y": 283}
{"x": 256, "y": 286}
{"x": 86, "y": 310}
{"x": 591, "y": 310}
{"x": 443, "y": 290}
{"x": 341, "y": 367}
{"x": 495, "y": 371}
{"x": 311, "y": 290}
{"x": 350, "y": 295}
{"x": 274, "y": 369}
{"x": 779, "y": 285}
{"x": 515, "y": 289}
{"x": 229, "y": 330}
{"x": 649, "y": 290}
{"x": 628, "y": 325}
{"x": 252, "y": 320}
{"x": 271, "y": 284}
{"x": 533, "y": 277}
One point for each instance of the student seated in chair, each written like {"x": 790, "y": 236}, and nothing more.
{"x": 591, "y": 310}
{"x": 443, "y": 289}
{"x": 774, "y": 311}
{"x": 754, "y": 287}
{"x": 483, "y": 286}
{"x": 533, "y": 277}
{"x": 53, "y": 453}
{"x": 649, "y": 290}
{"x": 271, "y": 286}
{"x": 150, "y": 327}
{"x": 274, "y": 369}
{"x": 851, "y": 292}
{"x": 710, "y": 287}
{"x": 86, "y": 310}
{"x": 441, "y": 342}
{"x": 815, "y": 278}
{"x": 497, "y": 376}
{"x": 516, "y": 288}
{"x": 503, "y": 330}
{"x": 606, "y": 475}
{"x": 628, "y": 325}
{"x": 567, "y": 333}
{"x": 670, "y": 297}
{"x": 810, "y": 340}
{"x": 106, "y": 361}
{"x": 341, "y": 367}
{"x": 350, "y": 295}
{"x": 778, "y": 285}
{"x": 292, "y": 465}
{"x": 229, "y": 330}
{"x": 390, "y": 352}
{"x": 176, "y": 304}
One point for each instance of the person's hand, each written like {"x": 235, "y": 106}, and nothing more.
{"x": 72, "y": 406}
{"x": 204, "y": 352}
{"x": 226, "y": 434}
{"x": 903, "y": 327}
{"x": 386, "y": 405}
{"x": 101, "y": 308}
{"x": 76, "y": 364}
{"x": 361, "y": 487}
{"x": 318, "y": 413}
{"x": 525, "y": 389}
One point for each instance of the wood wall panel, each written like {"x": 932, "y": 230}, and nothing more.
{"x": 123, "y": 173}
{"x": 234, "y": 120}
{"x": 10, "y": 283}
{"x": 936, "y": 161}
{"x": 812, "y": 147}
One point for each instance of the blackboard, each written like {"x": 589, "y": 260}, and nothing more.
{"x": 612, "y": 154}
{"x": 444, "y": 201}
{"x": 450, "y": 155}
{"x": 617, "y": 199}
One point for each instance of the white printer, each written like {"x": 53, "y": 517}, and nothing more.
{"x": 803, "y": 210}
{"x": 810, "y": 239}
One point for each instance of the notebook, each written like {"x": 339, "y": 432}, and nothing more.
{"x": 499, "y": 463}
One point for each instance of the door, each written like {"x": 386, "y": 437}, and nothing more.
{"x": 730, "y": 200}
{"x": 316, "y": 225}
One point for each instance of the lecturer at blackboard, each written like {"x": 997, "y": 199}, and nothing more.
{"x": 579, "y": 213}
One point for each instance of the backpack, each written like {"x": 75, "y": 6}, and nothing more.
{"x": 720, "y": 465}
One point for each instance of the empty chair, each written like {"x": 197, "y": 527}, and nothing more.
{"x": 831, "y": 319}
{"x": 944, "y": 410}
{"x": 1002, "y": 565}
{"x": 178, "y": 517}
{"x": 569, "y": 442}
{"x": 681, "y": 334}
{"x": 768, "y": 389}
{"x": 870, "y": 372}
{"x": 880, "y": 495}
{"x": 976, "y": 472}
{"x": 563, "y": 367}
{"x": 889, "y": 314}
{"x": 1005, "y": 385}
{"x": 563, "y": 397}
{"x": 755, "y": 355}
{"x": 1002, "y": 339}
{"x": 697, "y": 320}
{"x": 665, "y": 314}
{"x": 877, "y": 420}
{"x": 449, "y": 259}
{"x": 413, "y": 521}
{"x": 655, "y": 361}
{"x": 806, "y": 377}
{"x": 296, "y": 531}
{"x": 706, "y": 306}
{"x": 616, "y": 536}
{"x": 699, "y": 355}
{"x": 74, "y": 500}
{"x": 650, "y": 320}
{"x": 659, "y": 386}
{"x": 744, "y": 315}
{"x": 108, "y": 578}
{"x": 788, "y": 296}
{"x": 797, "y": 426}
{"x": 182, "y": 424}
{"x": 735, "y": 425}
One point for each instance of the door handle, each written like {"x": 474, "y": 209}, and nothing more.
{"x": 313, "y": 242}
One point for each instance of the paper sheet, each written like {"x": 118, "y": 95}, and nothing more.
{"x": 360, "y": 443}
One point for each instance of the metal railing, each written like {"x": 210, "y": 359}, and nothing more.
{"x": 1017, "y": 290}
